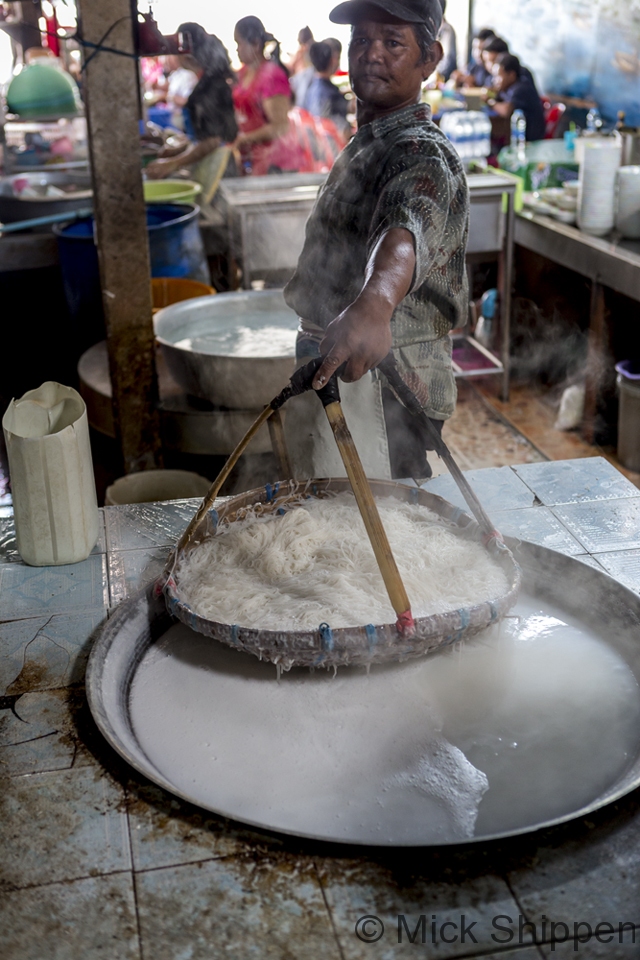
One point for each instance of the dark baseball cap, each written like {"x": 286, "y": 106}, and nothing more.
{"x": 428, "y": 12}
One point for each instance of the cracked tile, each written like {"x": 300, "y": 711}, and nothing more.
{"x": 61, "y": 826}
{"x": 92, "y": 919}
{"x": 360, "y": 888}
{"x": 46, "y": 652}
{"x": 37, "y": 733}
{"x": 269, "y": 910}
{"x": 34, "y": 591}
{"x": 166, "y": 831}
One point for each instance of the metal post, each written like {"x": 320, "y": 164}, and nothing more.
{"x": 595, "y": 360}
{"x": 111, "y": 95}
{"x": 507, "y": 283}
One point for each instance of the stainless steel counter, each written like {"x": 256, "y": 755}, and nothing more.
{"x": 614, "y": 262}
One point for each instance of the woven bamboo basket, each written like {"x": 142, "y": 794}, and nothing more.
{"x": 366, "y": 644}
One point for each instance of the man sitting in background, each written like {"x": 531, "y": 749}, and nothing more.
{"x": 323, "y": 99}
{"x": 476, "y": 74}
{"x": 492, "y": 50}
{"x": 517, "y": 92}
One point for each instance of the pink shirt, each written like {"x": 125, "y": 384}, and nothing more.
{"x": 269, "y": 81}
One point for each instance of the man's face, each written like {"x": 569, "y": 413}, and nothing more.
{"x": 502, "y": 79}
{"x": 489, "y": 58}
{"x": 385, "y": 63}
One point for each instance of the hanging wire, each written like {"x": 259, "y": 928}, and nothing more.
{"x": 97, "y": 48}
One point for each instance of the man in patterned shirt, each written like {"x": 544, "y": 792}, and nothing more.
{"x": 384, "y": 258}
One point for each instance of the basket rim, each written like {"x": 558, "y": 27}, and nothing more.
{"x": 363, "y": 643}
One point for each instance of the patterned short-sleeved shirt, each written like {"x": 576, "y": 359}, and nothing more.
{"x": 399, "y": 171}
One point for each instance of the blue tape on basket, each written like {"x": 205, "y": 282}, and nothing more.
{"x": 494, "y": 611}
{"x": 234, "y": 633}
{"x": 281, "y": 511}
{"x": 372, "y": 635}
{"x": 272, "y": 492}
{"x": 414, "y": 494}
{"x": 465, "y": 620}
{"x": 215, "y": 519}
{"x": 456, "y": 515}
{"x": 326, "y": 634}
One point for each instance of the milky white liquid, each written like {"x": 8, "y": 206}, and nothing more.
{"x": 252, "y": 335}
{"x": 527, "y": 722}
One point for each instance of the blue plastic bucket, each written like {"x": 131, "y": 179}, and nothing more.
{"x": 175, "y": 248}
{"x": 175, "y": 244}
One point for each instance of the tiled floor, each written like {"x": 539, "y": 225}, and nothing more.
{"x": 98, "y": 864}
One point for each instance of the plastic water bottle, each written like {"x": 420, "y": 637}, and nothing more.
{"x": 594, "y": 121}
{"x": 518, "y": 134}
{"x": 484, "y": 126}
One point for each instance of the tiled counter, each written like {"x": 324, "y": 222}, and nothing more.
{"x": 95, "y": 862}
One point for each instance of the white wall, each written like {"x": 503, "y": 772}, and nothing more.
{"x": 283, "y": 18}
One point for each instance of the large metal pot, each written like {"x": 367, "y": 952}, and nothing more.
{"x": 26, "y": 195}
{"x": 236, "y": 350}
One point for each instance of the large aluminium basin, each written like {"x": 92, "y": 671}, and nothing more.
{"x": 236, "y": 350}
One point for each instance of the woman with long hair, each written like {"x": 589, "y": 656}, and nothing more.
{"x": 262, "y": 98}
{"x": 209, "y": 110}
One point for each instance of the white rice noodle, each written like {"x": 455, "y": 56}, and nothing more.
{"x": 315, "y": 565}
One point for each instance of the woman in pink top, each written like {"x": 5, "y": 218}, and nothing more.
{"x": 262, "y": 98}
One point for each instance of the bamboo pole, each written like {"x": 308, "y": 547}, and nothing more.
{"x": 279, "y": 444}
{"x": 217, "y": 484}
{"x": 371, "y": 517}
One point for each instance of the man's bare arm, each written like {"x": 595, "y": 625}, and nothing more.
{"x": 361, "y": 335}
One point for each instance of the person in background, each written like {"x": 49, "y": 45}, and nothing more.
{"x": 154, "y": 82}
{"x": 447, "y": 38}
{"x": 302, "y": 59}
{"x": 209, "y": 111}
{"x": 515, "y": 92}
{"x": 491, "y": 53}
{"x": 323, "y": 98}
{"x": 183, "y": 78}
{"x": 262, "y": 97}
{"x": 476, "y": 74}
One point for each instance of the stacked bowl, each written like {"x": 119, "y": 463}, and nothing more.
{"x": 628, "y": 215}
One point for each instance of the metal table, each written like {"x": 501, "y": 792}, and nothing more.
{"x": 607, "y": 262}
{"x": 98, "y": 864}
{"x": 267, "y": 216}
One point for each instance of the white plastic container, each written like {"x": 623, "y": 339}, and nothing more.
{"x": 628, "y": 212}
{"x": 597, "y": 192}
{"x": 52, "y": 482}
